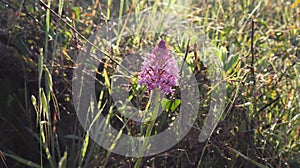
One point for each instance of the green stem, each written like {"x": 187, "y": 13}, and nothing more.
{"x": 150, "y": 127}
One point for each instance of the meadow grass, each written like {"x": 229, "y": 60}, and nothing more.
{"x": 257, "y": 43}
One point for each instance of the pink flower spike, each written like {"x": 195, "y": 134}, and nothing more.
{"x": 159, "y": 70}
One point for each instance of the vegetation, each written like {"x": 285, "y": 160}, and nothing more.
{"x": 256, "y": 41}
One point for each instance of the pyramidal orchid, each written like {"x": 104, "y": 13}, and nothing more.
{"x": 159, "y": 70}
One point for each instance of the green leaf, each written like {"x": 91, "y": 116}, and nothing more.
{"x": 84, "y": 148}
{"x": 223, "y": 51}
{"x": 22, "y": 160}
{"x": 63, "y": 161}
{"x": 45, "y": 105}
{"x": 77, "y": 12}
{"x": 227, "y": 30}
{"x": 231, "y": 62}
{"x": 170, "y": 104}
{"x": 33, "y": 100}
{"x": 48, "y": 83}
{"x": 107, "y": 81}
{"x": 40, "y": 64}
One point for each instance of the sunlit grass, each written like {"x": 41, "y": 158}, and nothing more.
{"x": 258, "y": 43}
